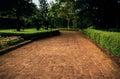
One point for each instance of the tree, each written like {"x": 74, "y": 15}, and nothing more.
{"x": 65, "y": 10}
{"x": 19, "y": 7}
{"x": 23, "y": 8}
{"x": 44, "y": 12}
{"x": 37, "y": 19}
{"x": 101, "y": 13}
{"x": 53, "y": 14}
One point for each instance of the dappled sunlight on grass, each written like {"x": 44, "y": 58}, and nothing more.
{"x": 25, "y": 31}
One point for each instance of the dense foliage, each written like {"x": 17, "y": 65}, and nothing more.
{"x": 109, "y": 40}
{"x": 62, "y": 13}
{"x": 16, "y": 8}
{"x": 44, "y": 13}
{"x": 103, "y": 14}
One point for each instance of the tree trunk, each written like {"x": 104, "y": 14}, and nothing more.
{"x": 18, "y": 24}
{"x": 68, "y": 23}
{"x": 18, "y": 17}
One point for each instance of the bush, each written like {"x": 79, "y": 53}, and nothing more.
{"x": 69, "y": 29}
{"x": 108, "y": 40}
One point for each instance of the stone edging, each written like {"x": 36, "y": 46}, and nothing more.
{"x": 9, "y": 48}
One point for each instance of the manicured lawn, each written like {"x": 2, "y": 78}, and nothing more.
{"x": 25, "y": 31}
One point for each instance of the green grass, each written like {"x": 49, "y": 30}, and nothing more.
{"x": 109, "y": 40}
{"x": 25, "y": 31}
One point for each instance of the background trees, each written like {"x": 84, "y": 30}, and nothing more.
{"x": 63, "y": 12}
{"x": 19, "y": 8}
{"x": 44, "y": 12}
{"x": 66, "y": 12}
{"x": 103, "y": 14}
{"x": 24, "y": 8}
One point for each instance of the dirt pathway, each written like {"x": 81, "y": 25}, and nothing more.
{"x": 68, "y": 56}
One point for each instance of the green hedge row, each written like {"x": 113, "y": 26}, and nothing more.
{"x": 108, "y": 40}
{"x": 70, "y": 29}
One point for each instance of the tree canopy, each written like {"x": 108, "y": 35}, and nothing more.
{"x": 20, "y": 8}
{"x": 44, "y": 12}
{"x": 102, "y": 13}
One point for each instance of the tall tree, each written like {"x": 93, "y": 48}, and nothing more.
{"x": 44, "y": 12}
{"x": 53, "y": 11}
{"x": 23, "y": 8}
{"x": 102, "y": 13}
{"x": 65, "y": 10}
{"x": 20, "y": 7}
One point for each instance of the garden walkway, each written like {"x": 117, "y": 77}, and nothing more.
{"x": 68, "y": 56}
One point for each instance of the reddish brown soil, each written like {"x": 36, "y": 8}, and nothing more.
{"x": 68, "y": 56}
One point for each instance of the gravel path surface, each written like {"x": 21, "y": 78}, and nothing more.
{"x": 68, "y": 56}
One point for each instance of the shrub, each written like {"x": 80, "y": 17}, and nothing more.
{"x": 108, "y": 40}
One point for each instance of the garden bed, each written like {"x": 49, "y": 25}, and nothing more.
{"x": 10, "y": 38}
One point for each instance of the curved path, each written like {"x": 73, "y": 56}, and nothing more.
{"x": 68, "y": 56}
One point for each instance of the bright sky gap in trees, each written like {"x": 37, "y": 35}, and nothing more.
{"x": 37, "y": 2}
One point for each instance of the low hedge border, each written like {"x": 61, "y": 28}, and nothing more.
{"x": 69, "y": 29}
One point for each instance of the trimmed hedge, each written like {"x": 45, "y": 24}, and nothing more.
{"x": 108, "y": 40}
{"x": 70, "y": 29}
